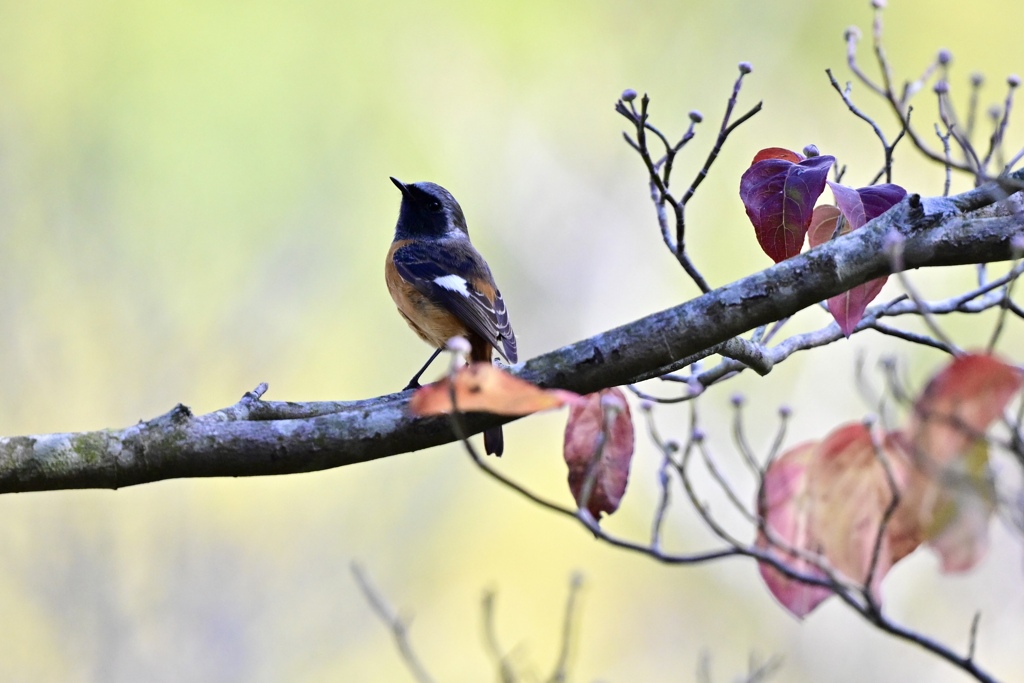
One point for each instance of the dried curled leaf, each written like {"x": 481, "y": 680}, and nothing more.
{"x": 598, "y": 449}
{"x": 483, "y": 388}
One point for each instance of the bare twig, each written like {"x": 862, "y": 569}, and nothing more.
{"x": 1004, "y": 309}
{"x": 667, "y": 450}
{"x": 887, "y": 149}
{"x": 947, "y": 162}
{"x": 727, "y": 488}
{"x": 896, "y": 254}
{"x": 972, "y": 640}
{"x": 995, "y": 145}
{"x": 739, "y": 436}
{"x": 506, "y": 672}
{"x": 399, "y": 629}
{"x": 660, "y": 181}
{"x": 560, "y": 673}
{"x": 880, "y": 535}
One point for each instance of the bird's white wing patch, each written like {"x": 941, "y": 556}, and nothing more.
{"x": 453, "y": 283}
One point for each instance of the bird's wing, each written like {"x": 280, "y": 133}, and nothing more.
{"x": 456, "y": 278}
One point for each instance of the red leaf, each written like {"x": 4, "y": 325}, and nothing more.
{"x": 584, "y": 433}
{"x": 483, "y": 388}
{"x": 786, "y": 510}
{"x": 779, "y": 195}
{"x": 777, "y": 153}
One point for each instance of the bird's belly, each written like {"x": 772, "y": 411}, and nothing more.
{"x": 434, "y": 324}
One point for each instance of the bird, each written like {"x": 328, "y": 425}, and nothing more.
{"x": 441, "y": 284}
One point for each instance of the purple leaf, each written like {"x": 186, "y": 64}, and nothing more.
{"x": 779, "y": 197}
{"x": 861, "y": 205}
{"x": 858, "y": 207}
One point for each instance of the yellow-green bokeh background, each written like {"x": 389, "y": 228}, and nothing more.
{"x": 194, "y": 199}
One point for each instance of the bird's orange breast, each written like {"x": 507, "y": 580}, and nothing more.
{"x": 433, "y": 323}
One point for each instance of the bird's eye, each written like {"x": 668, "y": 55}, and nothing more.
{"x": 434, "y": 206}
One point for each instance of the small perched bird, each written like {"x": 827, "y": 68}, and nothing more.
{"x": 442, "y": 285}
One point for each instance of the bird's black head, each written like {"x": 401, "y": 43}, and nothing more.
{"x": 428, "y": 210}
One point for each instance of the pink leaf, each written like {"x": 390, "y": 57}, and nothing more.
{"x": 826, "y": 502}
{"x": 786, "y": 508}
{"x": 959, "y": 404}
{"x": 857, "y": 208}
{"x": 848, "y": 308}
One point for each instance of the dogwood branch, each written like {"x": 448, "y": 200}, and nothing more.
{"x": 256, "y": 437}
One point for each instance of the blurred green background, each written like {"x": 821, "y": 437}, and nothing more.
{"x": 194, "y": 199}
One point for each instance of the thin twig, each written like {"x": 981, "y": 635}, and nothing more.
{"x": 723, "y": 483}
{"x": 972, "y": 640}
{"x": 399, "y": 629}
{"x": 896, "y": 255}
{"x": 947, "y": 159}
{"x": 890, "y": 509}
{"x": 999, "y": 132}
{"x": 559, "y": 674}
{"x": 664, "y": 497}
{"x": 1004, "y": 309}
{"x": 506, "y": 672}
{"x": 739, "y": 437}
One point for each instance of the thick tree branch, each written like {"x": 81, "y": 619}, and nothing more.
{"x": 256, "y": 437}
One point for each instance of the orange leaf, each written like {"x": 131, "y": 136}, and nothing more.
{"x": 483, "y": 388}
{"x": 828, "y": 499}
{"x": 851, "y": 491}
{"x": 585, "y": 433}
{"x": 823, "y": 224}
{"x": 777, "y": 153}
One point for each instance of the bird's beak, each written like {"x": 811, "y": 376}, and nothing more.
{"x": 400, "y": 185}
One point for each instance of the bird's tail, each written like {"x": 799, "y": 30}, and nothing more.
{"x": 494, "y": 440}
